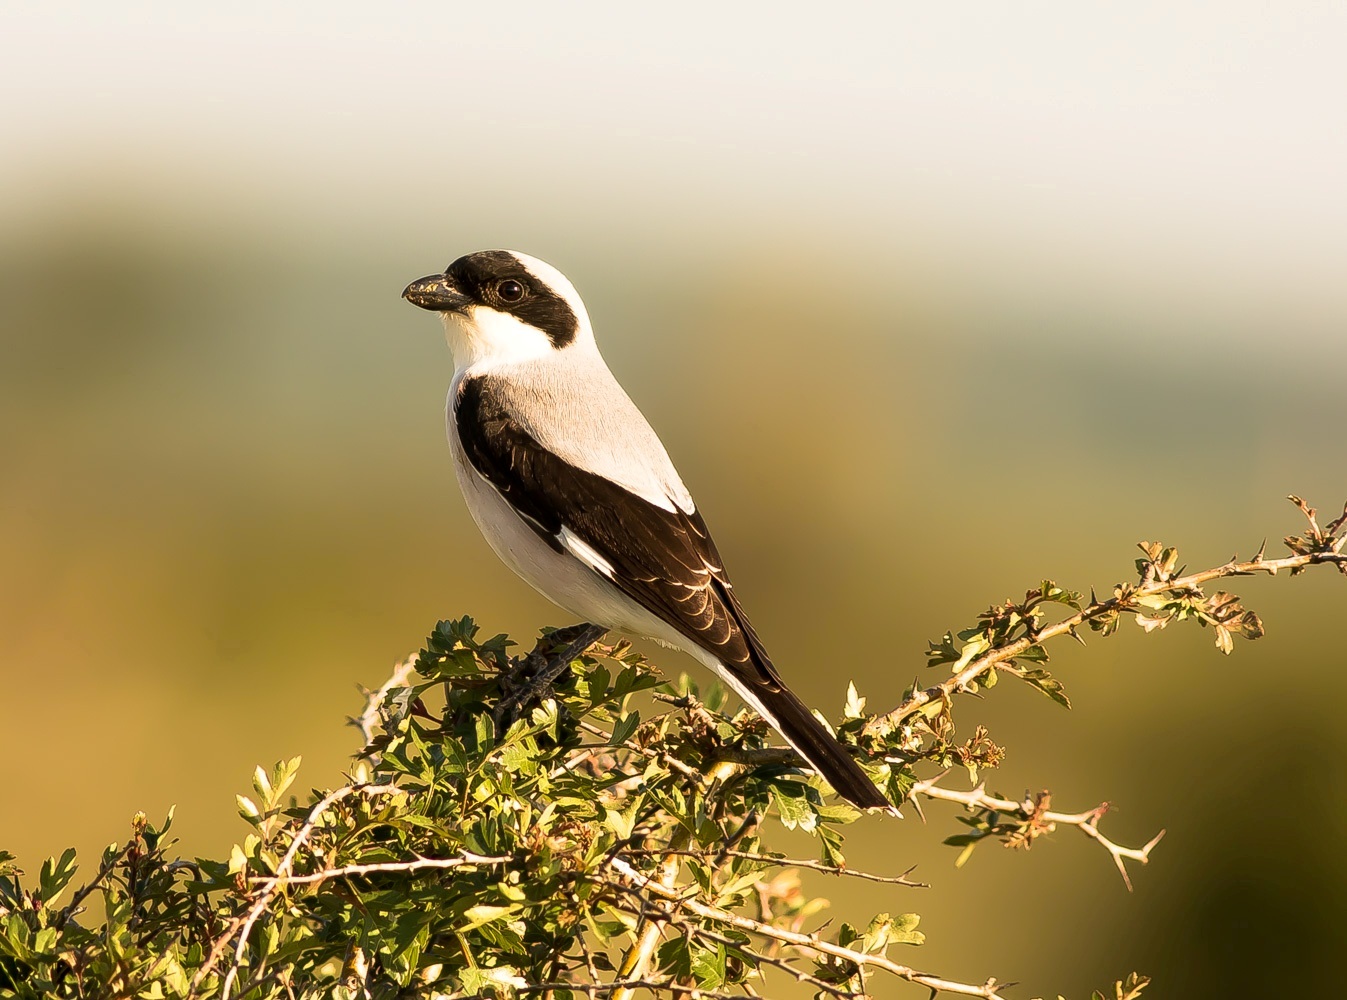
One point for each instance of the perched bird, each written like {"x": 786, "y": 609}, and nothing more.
{"x": 574, "y": 491}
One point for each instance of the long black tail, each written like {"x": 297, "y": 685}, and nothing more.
{"x": 792, "y": 719}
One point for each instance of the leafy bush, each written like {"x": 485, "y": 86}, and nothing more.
{"x": 566, "y": 823}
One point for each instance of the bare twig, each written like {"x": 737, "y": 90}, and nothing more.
{"x": 762, "y": 757}
{"x": 637, "y": 959}
{"x": 809, "y": 942}
{"x": 625, "y": 987}
{"x": 784, "y": 862}
{"x": 368, "y": 720}
{"x": 590, "y": 964}
{"x": 346, "y": 871}
{"x": 1045, "y": 819}
{"x": 1125, "y": 601}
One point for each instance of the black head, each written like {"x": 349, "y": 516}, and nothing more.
{"x": 522, "y": 286}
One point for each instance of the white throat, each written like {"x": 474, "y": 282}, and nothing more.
{"x": 485, "y": 337}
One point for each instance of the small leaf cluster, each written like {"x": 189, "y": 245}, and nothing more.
{"x": 1019, "y": 827}
{"x": 1128, "y": 988}
{"x": 1004, "y": 625}
{"x": 1157, "y": 608}
{"x": 1316, "y": 542}
{"x": 157, "y": 925}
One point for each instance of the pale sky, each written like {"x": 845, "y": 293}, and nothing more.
{"x": 1211, "y": 137}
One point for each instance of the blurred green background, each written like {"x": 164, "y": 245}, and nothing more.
{"x": 927, "y": 304}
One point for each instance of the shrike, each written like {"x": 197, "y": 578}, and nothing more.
{"x": 574, "y": 491}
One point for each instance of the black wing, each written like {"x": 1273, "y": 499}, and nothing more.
{"x": 662, "y": 559}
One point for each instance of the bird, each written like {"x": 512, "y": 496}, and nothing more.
{"x": 575, "y": 492}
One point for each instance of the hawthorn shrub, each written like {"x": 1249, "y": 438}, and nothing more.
{"x": 569, "y": 823}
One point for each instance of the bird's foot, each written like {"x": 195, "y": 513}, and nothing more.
{"x": 536, "y": 672}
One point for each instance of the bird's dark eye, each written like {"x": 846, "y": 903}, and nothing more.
{"x": 510, "y": 291}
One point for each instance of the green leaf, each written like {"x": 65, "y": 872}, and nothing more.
{"x": 831, "y": 843}
{"x": 55, "y": 876}
{"x": 1034, "y": 654}
{"x": 903, "y": 930}
{"x": 620, "y": 823}
{"x": 708, "y": 967}
{"x": 546, "y": 717}
{"x": 238, "y": 861}
{"x": 262, "y": 784}
{"x": 855, "y": 704}
{"x": 502, "y": 980}
{"x": 970, "y": 651}
{"x": 44, "y": 942}
{"x": 247, "y": 809}
{"x": 1044, "y": 682}
{"x": 283, "y": 775}
{"x": 624, "y": 728}
{"x": 520, "y": 757}
{"x": 675, "y": 958}
{"x": 485, "y": 731}
{"x": 483, "y": 913}
{"x": 791, "y": 799}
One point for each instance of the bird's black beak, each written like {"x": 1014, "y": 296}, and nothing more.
{"x": 436, "y": 292}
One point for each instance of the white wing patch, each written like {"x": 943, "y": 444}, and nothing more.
{"x": 585, "y": 552}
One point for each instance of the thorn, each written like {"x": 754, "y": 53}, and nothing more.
{"x": 1146, "y": 851}
{"x": 1122, "y": 868}
{"x": 916, "y": 804}
{"x": 1261, "y": 549}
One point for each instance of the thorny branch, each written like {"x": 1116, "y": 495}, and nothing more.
{"x": 627, "y": 986}
{"x": 1037, "y": 819}
{"x": 383, "y": 867}
{"x": 784, "y": 862}
{"x": 1316, "y": 547}
{"x": 637, "y": 960}
{"x": 1030, "y": 816}
{"x": 369, "y": 720}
